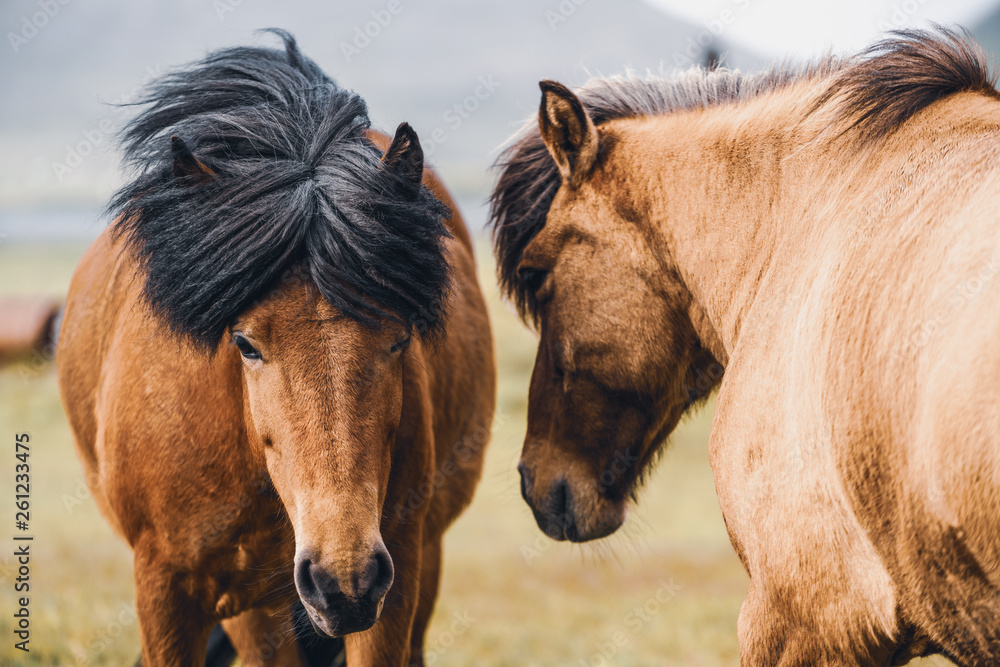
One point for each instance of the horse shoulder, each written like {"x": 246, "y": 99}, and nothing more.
{"x": 144, "y": 405}
{"x": 786, "y": 507}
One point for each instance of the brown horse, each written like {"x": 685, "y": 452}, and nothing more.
{"x": 267, "y": 357}
{"x": 828, "y": 238}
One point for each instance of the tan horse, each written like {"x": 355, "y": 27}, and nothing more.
{"x": 827, "y": 237}
{"x": 360, "y": 366}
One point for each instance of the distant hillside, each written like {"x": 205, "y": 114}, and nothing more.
{"x": 987, "y": 32}
{"x": 418, "y": 60}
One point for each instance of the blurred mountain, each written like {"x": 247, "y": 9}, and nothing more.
{"x": 987, "y": 32}
{"x": 463, "y": 74}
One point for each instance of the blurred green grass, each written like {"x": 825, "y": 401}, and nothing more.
{"x": 526, "y": 600}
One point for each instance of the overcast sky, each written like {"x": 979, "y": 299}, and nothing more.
{"x": 801, "y": 28}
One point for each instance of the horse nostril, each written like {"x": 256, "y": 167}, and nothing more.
{"x": 527, "y": 480}
{"x": 315, "y": 585}
{"x": 376, "y": 578}
{"x": 562, "y": 524}
{"x": 303, "y": 579}
{"x": 559, "y": 500}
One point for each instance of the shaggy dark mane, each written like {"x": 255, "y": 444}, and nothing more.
{"x": 874, "y": 93}
{"x": 297, "y": 184}
{"x": 895, "y": 78}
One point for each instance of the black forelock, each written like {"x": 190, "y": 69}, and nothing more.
{"x": 297, "y": 183}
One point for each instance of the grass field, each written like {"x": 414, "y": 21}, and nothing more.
{"x": 664, "y": 591}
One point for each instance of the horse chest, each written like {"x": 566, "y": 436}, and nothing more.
{"x": 256, "y": 570}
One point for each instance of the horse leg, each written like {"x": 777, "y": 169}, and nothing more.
{"x": 786, "y": 635}
{"x": 430, "y": 577}
{"x": 174, "y": 623}
{"x": 264, "y": 638}
{"x": 387, "y": 643}
{"x": 765, "y": 637}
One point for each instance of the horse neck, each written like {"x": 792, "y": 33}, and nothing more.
{"x": 715, "y": 184}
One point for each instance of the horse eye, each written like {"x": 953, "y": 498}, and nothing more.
{"x": 532, "y": 278}
{"x": 246, "y": 349}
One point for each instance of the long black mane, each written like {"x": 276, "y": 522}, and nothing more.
{"x": 297, "y": 184}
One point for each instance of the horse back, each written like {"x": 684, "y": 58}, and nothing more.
{"x": 914, "y": 404}
{"x": 868, "y": 377}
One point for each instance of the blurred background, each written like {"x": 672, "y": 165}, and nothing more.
{"x": 663, "y": 591}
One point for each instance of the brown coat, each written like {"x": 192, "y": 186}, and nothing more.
{"x": 169, "y": 438}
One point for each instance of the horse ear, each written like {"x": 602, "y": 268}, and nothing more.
{"x": 567, "y": 130}
{"x": 405, "y": 158}
{"x": 188, "y": 169}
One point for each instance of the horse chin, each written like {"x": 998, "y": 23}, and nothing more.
{"x": 600, "y": 521}
{"x": 341, "y": 624}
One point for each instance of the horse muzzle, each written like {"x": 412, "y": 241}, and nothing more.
{"x": 567, "y": 511}
{"x": 351, "y": 602}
